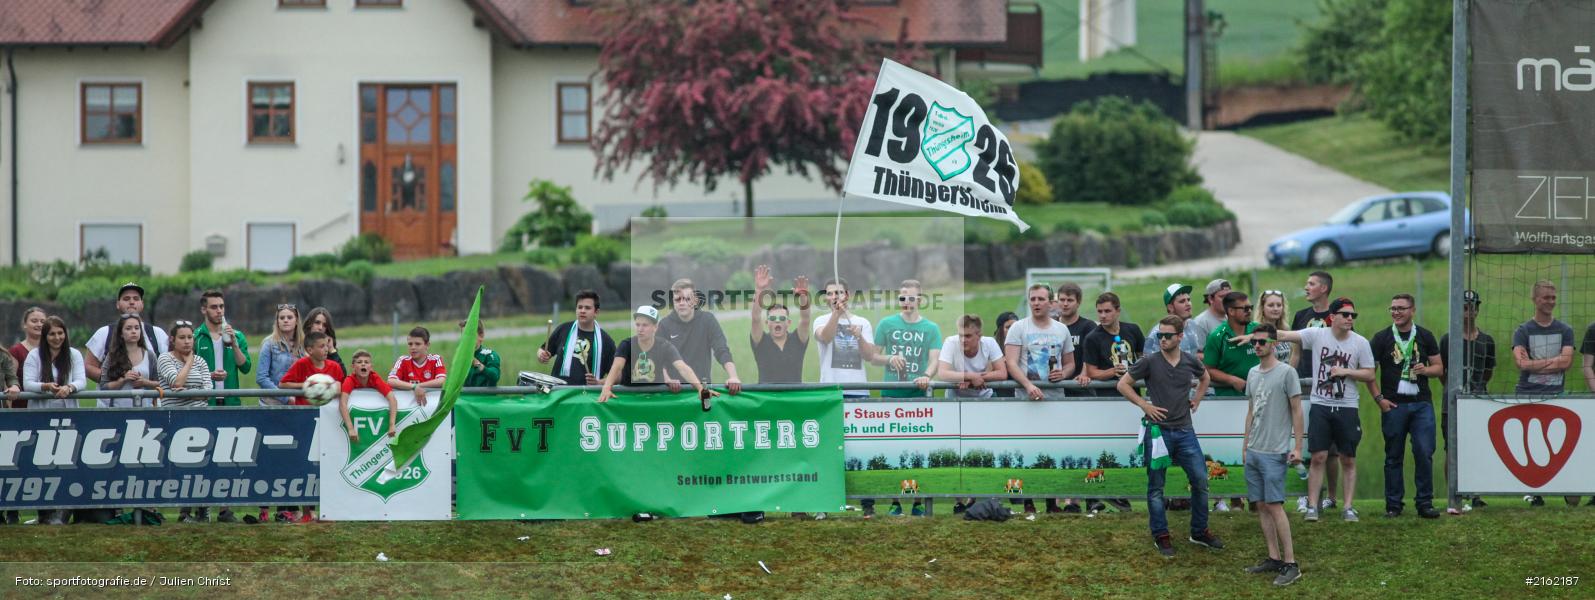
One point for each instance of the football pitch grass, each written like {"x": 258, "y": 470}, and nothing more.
{"x": 1128, "y": 482}
{"x": 1485, "y": 554}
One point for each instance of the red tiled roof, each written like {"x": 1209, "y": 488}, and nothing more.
{"x": 930, "y": 22}
{"x": 96, "y": 22}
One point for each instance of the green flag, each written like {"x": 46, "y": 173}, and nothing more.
{"x": 413, "y": 438}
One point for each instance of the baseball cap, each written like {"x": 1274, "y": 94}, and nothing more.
{"x": 1174, "y": 289}
{"x": 647, "y": 311}
{"x": 1212, "y": 288}
{"x": 1471, "y": 297}
{"x": 131, "y": 286}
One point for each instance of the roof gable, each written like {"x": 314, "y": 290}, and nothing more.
{"x": 158, "y": 23}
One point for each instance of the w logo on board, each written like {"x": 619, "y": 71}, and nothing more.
{"x": 1534, "y": 441}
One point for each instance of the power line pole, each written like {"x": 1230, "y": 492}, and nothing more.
{"x": 1195, "y": 47}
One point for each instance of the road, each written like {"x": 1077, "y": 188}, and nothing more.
{"x": 1272, "y": 192}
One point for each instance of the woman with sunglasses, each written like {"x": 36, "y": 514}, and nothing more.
{"x": 1273, "y": 312}
{"x": 278, "y": 352}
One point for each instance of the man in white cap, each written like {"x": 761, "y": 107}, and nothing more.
{"x": 641, "y": 360}
{"x": 1176, "y": 302}
{"x": 1203, "y": 324}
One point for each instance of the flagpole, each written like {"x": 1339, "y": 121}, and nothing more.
{"x": 836, "y": 244}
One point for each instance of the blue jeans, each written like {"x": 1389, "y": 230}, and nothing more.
{"x": 1417, "y": 420}
{"x": 1186, "y": 453}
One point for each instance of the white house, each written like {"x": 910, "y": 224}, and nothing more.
{"x": 262, "y": 129}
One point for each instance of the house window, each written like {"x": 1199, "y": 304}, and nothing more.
{"x": 271, "y": 246}
{"x": 111, "y": 113}
{"x": 378, "y": 3}
{"x": 271, "y": 113}
{"x": 575, "y": 112}
{"x": 121, "y": 243}
{"x": 302, "y": 3}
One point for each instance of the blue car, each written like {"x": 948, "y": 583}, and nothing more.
{"x": 1417, "y": 223}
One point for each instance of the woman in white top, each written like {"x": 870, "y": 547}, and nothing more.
{"x": 128, "y": 365}
{"x": 1273, "y": 311}
{"x": 181, "y": 369}
{"x": 55, "y": 368}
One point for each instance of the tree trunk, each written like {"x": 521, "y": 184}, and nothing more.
{"x": 747, "y": 206}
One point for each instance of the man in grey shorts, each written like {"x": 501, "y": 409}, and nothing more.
{"x": 1273, "y": 441}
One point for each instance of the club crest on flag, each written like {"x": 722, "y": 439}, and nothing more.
{"x": 947, "y": 132}
{"x": 369, "y": 456}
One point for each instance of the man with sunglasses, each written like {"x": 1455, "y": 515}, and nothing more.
{"x": 1341, "y": 358}
{"x": 1169, "y": 377}
{"x": 1273, "y": 440}
{"x": 778, "y": 347}
{"x": 910, "y": 344}
{"x": 1229, "y": 363}
{"x": 1407, "y": 356}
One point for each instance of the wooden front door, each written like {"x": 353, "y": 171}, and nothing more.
{"x": 408, "y": 170}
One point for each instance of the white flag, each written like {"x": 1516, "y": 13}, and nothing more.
{"x": 928, "y": 144}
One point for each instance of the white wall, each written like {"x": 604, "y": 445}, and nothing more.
{"x": 327, "y": 53}
{"x": 524, "y": 147}
{"x": 65, "y": 183}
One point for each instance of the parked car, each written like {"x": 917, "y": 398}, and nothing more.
{"x": 1417, "y": 223}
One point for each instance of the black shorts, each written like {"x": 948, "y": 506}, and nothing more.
{"x": 1330, "y": 427}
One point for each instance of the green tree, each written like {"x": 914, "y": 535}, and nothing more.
{"x": 1113, "y": 150}
{"x": 556, "y": 222}
{"x": 1406, "y": 77}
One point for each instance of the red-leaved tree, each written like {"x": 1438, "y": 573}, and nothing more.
{"x": 701, "y": 90}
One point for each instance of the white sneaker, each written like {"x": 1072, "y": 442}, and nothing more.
{"x": 1467, "y": 507}
{"x": 1326, "y": 503}
{"x": 1301, "y": 504}
{"x": 1221, "y": 506}
{"x": 1350, "y": 515}
{"x": 819, "y": 516}
{"x": 1312, "y": 515}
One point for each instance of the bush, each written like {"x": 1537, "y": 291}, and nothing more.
{"x": 1191, "y": 214}
{"x": 1110, "y": 150}
{"x": 945, "y": 457}
{"x": 555, "y": 223}
{"x": 1153, "y": 220}
{"x": 368, "y": 247}
{"x": 878, "y": 463}
{"x": 310, "y": 263}
{"x": 979, "y": 458}
{"x": 80, "y": 293}
{"x": 656, "y": 211}
{"x": 916, "y": 461}
{"x": 198, "y": 260}
{"x": 357, "y": 271}
{"x": 1033, "y": 186}
{"x": 853, "y": 464}
{"x": 596, "y": 250}
{"x": 791, "y": 238}
{"x": 702, "y": 249}
{"x": 1069, "y": 226}
{"x": 1107, "y": 460}
{"x": 741, "y": 280}
{"x": 1044, "y": 461}
{"x": 546, "y": 257}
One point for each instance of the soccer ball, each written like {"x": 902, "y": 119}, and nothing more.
{"x": 321, "y": 388}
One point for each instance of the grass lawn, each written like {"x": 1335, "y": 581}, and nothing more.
{"x": 1117, "y": 482}
{"x": 1362, "y": 147}
{"x": 1256, "y": 46}
{"x": 1482, "y": 555}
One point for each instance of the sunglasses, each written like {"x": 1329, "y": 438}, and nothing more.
{"x": 1273, "y": 293}
{"x": 183, "y": 323}
{"x": 1349, "y": 315}
{"x": 130, "y": 316}
{"x": 777, "y": 318}
{"x": 907, "y": 298}
{"x": 1164, "y": 335}
{"x": 1247, "y": 308}
{"x": 1263, "y": 342}
{"x": 287, "y": 307}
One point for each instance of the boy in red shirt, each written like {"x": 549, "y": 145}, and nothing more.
{"x": 418, "y": 370}
{"x": 364, "y": 378}
{"x": 315, "y": 362}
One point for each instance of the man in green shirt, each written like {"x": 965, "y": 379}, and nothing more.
{"x": 910, "y": 345}
{"x": 223, "y": 348}
{"x": 484, "y": 363}
{"x": 1227, "y": 363}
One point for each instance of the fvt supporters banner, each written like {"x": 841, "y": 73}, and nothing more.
{"x": 925, "y": 143}
{"x": 1533, "y": 125}
{"x": 565, "y": 456}
{"x": 106, "y": 458}
{"x": 357, "y": 482}
{"x": 1525, "y": 447}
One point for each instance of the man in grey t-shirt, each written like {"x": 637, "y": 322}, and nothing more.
{"x": 1273, "y": 423}
{"x": 1203, "y": 324}
{"x": 1169, "y": 376}
{"x": 1543, "y": 349}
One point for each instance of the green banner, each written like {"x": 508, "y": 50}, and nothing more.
{"x": 565, "y": 456}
